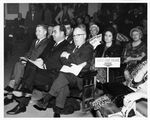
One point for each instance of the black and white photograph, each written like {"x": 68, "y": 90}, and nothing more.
{"x": 80, "y": 59}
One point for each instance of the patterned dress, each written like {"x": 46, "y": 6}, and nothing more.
{"x": 134, "y": 52}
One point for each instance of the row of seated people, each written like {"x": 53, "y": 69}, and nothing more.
{"x": 41, "y": 66}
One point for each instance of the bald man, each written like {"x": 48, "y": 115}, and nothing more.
{"x": 78, "y": 53}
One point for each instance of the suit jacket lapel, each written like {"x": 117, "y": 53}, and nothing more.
{"x": 40, "y": 43}
{"x": 57, "y": 46}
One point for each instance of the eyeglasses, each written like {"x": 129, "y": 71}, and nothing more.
{"x": 77, "y": 35}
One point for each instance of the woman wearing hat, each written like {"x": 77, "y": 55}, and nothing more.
{"x": 134, "y": 53}
{"x": 94, "y": 30}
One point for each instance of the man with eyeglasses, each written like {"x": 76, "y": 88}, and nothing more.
{"x": 79, "y": 53}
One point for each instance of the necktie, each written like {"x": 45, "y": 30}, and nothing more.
{"x": 55, "y": 44}
{"x": 76, "y": 48}
{"x": 37, "y": 42}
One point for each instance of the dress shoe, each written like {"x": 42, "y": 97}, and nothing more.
{"x": 7, "y": 101}
{"x": 16, "y": 110}
{"x": 41, "y": 104}
{"x": 56, "y": 115}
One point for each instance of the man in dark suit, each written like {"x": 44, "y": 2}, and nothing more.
{"x": 69, "y": 31}
{"x": 42, "y": 77}
{"x": 79, "y": 53}
{"x": 35, "y": 51}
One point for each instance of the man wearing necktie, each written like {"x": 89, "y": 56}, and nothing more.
{"x": 32, "y": 54}
{"x": 77, "y": 53}
{"x": 37, "y": 42}
{"x": 41, "y": 78}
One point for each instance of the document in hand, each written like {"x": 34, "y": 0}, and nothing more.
{"x": 96, "y": 40}
{"x": 38, "y": 63}
{"x": 74, "y": 69}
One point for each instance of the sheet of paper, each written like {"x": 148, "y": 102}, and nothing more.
{"x": 38, "y": 63}
{"x": 96, "y": 40}
{"x": 74, "y": 69}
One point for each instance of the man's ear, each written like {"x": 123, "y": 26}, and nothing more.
{"x": 85, "y": 36}
{"x": 46, "y": 32}
{"x": 72, "y": 29}
{"x": 62, "y": 33}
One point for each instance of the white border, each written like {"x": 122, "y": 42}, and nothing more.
{"x": 56, "y": 1}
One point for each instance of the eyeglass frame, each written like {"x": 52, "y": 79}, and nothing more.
{"x": 78, "y": 35}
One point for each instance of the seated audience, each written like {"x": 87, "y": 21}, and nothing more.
{"x": 62, "y": 45}
{"x": 80, "y": 53}
{"x": 35, "y": 51}
{"x": 133, "y": 53}
{"x": 41, "y": 77}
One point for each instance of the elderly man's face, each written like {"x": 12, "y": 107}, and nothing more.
{"x": 79, "y": 36}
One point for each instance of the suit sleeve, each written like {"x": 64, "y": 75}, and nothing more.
{"x": 35, "y": 53}
{"x": 30, "y": 50}
{"x": 85, "y": 55}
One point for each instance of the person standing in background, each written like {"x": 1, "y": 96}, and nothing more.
{"x": 64, "y": 15}
{"x": 33, "y": 18}
{"x": 46, "y": 15}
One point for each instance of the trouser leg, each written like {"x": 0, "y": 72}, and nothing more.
{"x": 60, "y": 90}
{"x": 17, "y": 74}
{"x": 28, "y": 77}
{"x": 58, "y": 83}
{"x": 61, "y": 97}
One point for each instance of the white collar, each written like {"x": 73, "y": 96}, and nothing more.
{"x": 66, "y": 37}
{"x": 59, "y": 42}
{"x": 40, "y": 40}
{"x": 80, "y": 45}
